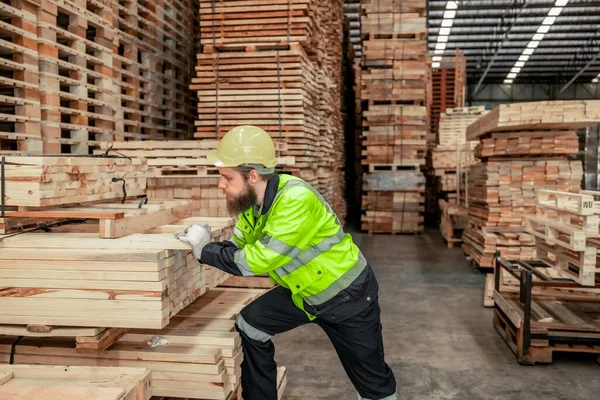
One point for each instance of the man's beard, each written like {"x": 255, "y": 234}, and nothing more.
{"x": 236, "y": 205}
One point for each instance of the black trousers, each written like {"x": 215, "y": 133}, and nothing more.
{"x": 357, "y": 340}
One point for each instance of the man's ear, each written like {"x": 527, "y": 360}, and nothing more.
{"x": 254, "y": 176}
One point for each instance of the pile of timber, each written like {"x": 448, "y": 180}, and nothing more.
{"x": 502, "y": 187}
{"x": 198, "y": 354}
{"x": 68, "y": 382}
{"x": 285, "y": 77}
{"x": 73, "y": 277}
{"x": 397, "y": 200}
{"x": 393, "y": 92}
{"x": 235, "y": 25}
{"x": 451, "y": 151}
{"x": 76, "y": 72}
{"x": 178, "y": 169}
{"x": 54, "y": 181}
{"x": 566, "y": 232}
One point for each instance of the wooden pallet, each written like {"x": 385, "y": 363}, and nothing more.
{"x": 28, "y": 382}
{"x": 558, "y": 326}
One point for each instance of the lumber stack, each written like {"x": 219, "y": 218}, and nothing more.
{"x": 290, "y": 85}
{"x": 502, "y": 186}
{"x": 79, "y": 279}
{"x": 68, "y": 382}
{"x": 53, "y": 181}
{"x": 451, "y": 151}
{"x": 79, "y": 72}
{"x": 393, "y": 91}
{"x": 200, "y": 355}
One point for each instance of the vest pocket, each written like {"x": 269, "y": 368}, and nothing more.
{"x": 302, "y": 278}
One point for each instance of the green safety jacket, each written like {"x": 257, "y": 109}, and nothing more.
{"x": 297, "y": 240}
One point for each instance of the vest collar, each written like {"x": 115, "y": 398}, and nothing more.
{"x": 270, "y": 192}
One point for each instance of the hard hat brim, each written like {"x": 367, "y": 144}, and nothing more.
{"x": 214, "y": 159}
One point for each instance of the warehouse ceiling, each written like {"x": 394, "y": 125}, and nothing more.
{"x": 493, "y": 35}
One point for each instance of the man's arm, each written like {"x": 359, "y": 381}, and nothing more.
{"x": 288, "y": 230}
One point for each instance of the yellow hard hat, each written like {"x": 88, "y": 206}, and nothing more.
{"x": 244, "y": 145}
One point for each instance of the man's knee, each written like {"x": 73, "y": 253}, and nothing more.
{"x": 247, "y": 322}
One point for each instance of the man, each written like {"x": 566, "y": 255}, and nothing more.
{"x": 286, "y": 229}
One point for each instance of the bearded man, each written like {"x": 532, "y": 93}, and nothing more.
{"x": 287, "y": 230}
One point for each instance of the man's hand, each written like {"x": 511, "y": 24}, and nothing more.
{"x": 196, "y": 236}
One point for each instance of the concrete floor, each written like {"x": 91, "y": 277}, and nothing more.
{"x": 439, "y": 339}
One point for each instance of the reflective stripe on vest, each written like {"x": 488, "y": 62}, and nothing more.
{"x": 306, "y": 256}
{"x": 341, "y": 284}
{"x": 239, "y": 258}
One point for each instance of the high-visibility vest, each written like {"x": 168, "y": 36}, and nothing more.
{"x": 300, "y": 243}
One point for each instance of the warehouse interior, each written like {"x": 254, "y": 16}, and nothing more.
{"x": 456, "y": 142}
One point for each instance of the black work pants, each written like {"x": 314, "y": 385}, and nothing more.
{"x": 357, "y": 340}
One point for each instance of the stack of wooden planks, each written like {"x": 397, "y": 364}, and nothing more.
{"x": 29, "y": 382}
{"x": 78, "y": 279}
{"x": 502, "y": 187}
{"x": 451, "y": 151}
{"x": 393, "y": 201}
{"x": 566, "y": 232}
{"x": 77, "y": 72}
{"x": 277, "y": 66}
{"x": 393, "y": 92}
{"x": 53, "y": 181}
{"x": 198, "y": 354}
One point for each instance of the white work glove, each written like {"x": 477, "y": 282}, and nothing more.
{"x": 196, "y": 236}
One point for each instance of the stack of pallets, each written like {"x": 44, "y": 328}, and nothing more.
{"x": 153, "y": 66}
{"x": 20, "y": 127}
{"x": 393, "y": 94}
{"x": 448, "y": 83}
{"x": 566, "y": 233}
{"x": 78, "y": 72}
{"x": 277, "y": 65}
{"x": 502, "y": 187}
